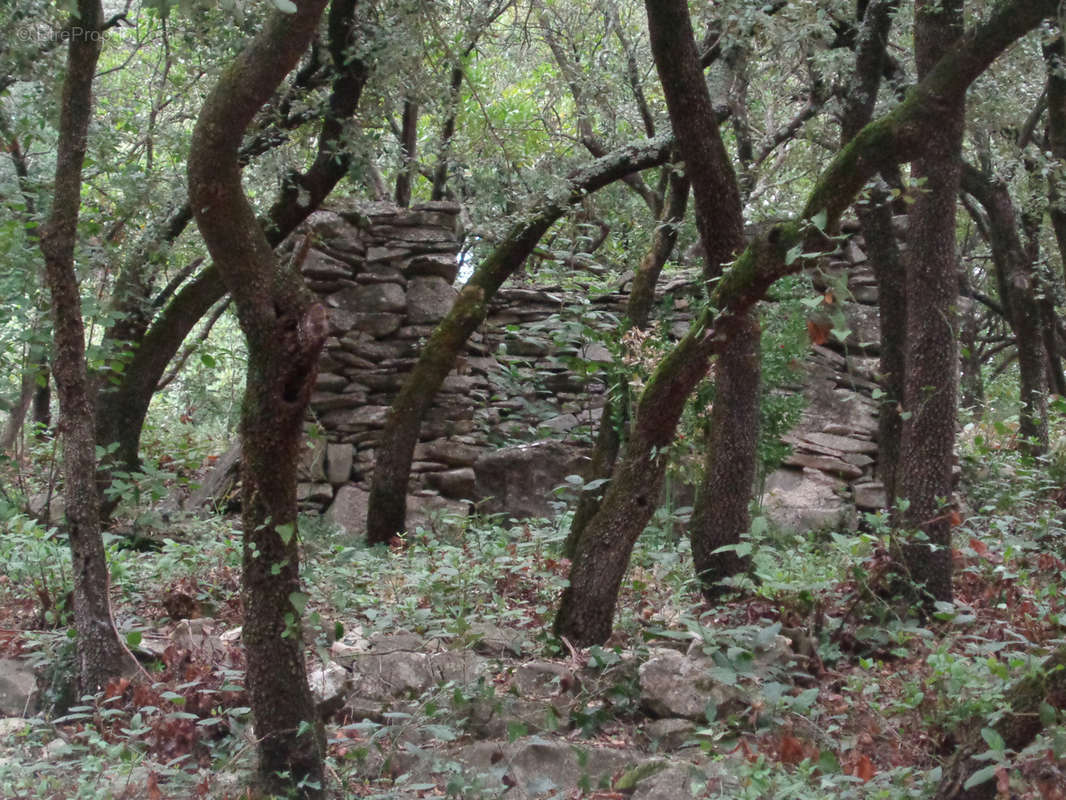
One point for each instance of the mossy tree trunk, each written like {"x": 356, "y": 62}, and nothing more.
{"x": 285, "y": 329}
{"x": 932, "y": 362}
{"x": 585, "y": 614}
{"x": 392, "y": 465}
{"x": 1023, "y": 310}
{"x": 101, "y": 654}
{"x": 1017, "y": 727}
{"x": 616, "y": 415}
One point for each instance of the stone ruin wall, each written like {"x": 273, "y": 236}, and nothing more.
{"x": 386, "y": 275}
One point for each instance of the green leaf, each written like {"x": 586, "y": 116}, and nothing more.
{"x": 208, "y": 360}
{"x": 993, "y": 739}
{"x": 828, "y": 763}
{"x": 820, "y": 219}
{"x": 1047, "y": 714}
{"x": 298, "y": 601}
{"x": 794, "y": 253}
{"x": 804, "y": 700}
{"x": 286, "y": 531}
{"x": 133, "y": 638}
{"x": 982, "y": 775}
{"x": 286, "y": 6}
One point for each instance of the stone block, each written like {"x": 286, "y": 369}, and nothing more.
{"x": 378, "y": 325}
{"x": 339, "y": 463}
{"x": 428, "y": 300}
{"x": 454, "y": 483}
{"x": 319, "y": 266}
{"x": 349, "y": 509}
{"x": 441, "y": 265}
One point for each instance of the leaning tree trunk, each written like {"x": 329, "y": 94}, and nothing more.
{"x": 1018, "y": 727}
{"x": 285, "y": 329}
{"x": 101, "y": 653}
{"x": 932, "y": 361}
{"x": 587, "y": 605}
{"x": 392, "y": 462}
{"x": 638, "y": 311}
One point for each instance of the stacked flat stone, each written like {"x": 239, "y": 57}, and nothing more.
{"x": 536, "y": 371}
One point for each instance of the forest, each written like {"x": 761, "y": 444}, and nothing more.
{"x": 532, "y": 399}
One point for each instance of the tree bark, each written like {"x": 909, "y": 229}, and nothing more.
{"x": 408, "y": 153}
{"x": 392, "y": 465}
{"x": 897, "y": 137}
{"x": 101, "y": 654}
{"x": 932, "y": 362}
{"x": 721, "y": 514}
{"x": 285, "y": 329}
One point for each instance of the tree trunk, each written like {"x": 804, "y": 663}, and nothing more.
{"x": 875, "y": 217}
{"x": 18, "y": 412}
{"x": 1018, "y": 727}
{"x": 616, "y": 416}
{"x": 882, "y": 248}
{"x": 440, "y": 173}
{"x": 1055, "y": 58}
{"x": 932, "y": 363}
{"x": 101, "y": 654}
{"x": 721, "y": 514}
{"x": 585, "y": 613}
{"x": 392, "y": 465}
{"x": 123, "y": 407}
{"x": 972, "y": 381}
{"x": 1019, "y": 279}
{"x": 285, "y": 329}
{"x": 408, "y": 154}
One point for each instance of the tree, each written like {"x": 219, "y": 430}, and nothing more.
{"x": 151, "y": 329}
{"x": 720, "y": 515}
{"x": 395, "y": 450}
{"x": 1018, "y": 282}
{"x": 931, "y": 351}
{"x": 285, "y": 329}
{"x": 101, "y": 653}
{"x": 587, "y": 606}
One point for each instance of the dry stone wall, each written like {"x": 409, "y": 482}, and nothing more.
{"x": 534, "y": 374}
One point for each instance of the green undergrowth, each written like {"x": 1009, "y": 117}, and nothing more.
{"x": 871, "y": 706}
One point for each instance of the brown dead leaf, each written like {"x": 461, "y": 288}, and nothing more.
{"x": 791, "y": 750}
{"x": 818, "y": 332}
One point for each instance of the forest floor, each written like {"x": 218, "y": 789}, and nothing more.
{"x": 868, "y": 700}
